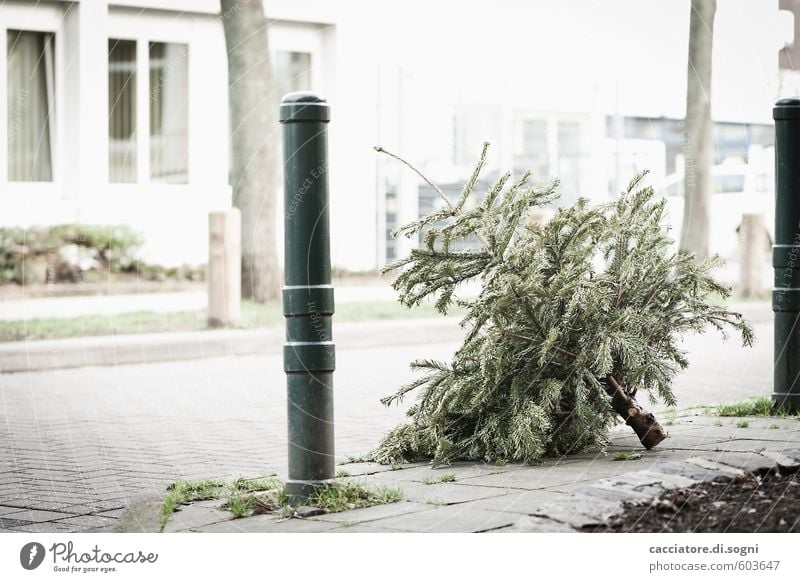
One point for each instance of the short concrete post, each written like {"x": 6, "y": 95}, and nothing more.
{"x": 224, "y": 267}
{"x": 754, "y": 246}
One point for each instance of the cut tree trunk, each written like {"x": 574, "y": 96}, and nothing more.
{"x": 643, "y": 423}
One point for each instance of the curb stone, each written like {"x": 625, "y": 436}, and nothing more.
{"x": 784, "y": 461}
{"x": 535, "y": 524}
{"x": 143, "y": 516}
{"x": 148, "y": 348}
{"x": 723, "y": 469}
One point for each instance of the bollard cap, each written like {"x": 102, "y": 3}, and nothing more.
{"x": 304, "y": 106}
{"x": 787, "y": 108}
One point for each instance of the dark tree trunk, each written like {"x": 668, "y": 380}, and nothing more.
{"x": 255, "y": 134}
{"x": 643, "y": 423}
{"x": 698, "y": 137}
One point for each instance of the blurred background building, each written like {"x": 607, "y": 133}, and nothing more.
{"x": 115, "y": 112}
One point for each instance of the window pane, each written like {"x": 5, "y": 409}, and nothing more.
{"x": 293, "y": 72}
{"x": 169, "y": 112}
{"x": 729, "y": 184}
{"x": 391, "y": 224}
{"x": 569, "y": 156}
{"x": 122, "y": 110}
{"x": 534, "y": 148}
{"x": 30, "y": 106}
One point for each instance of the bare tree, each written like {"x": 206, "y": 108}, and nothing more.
{"x": 698, "y": 131}
{"x": 254, "y": 168}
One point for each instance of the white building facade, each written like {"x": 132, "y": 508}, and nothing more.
{"x": 115, "y": 111}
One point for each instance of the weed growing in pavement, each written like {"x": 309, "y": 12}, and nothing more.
{"x": 343, "y": 496}
{"x": 759, "y": 406}
{"x": 446, "y": 478}
{"x": 627, "y": 456}
{"x": 181, "y": 492}
{"x": 244, "y": 497}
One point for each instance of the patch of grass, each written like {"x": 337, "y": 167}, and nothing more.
{"x": 244, "y": 497}
{"x": 395, "y": 467}
{"x": 244, "y": 485}
{"x": 742, "y": 424}
{"x": 759, "y": 406}
{"x": 345, "y": 496}
{"x": 627, "y": 456}
{"x": 774, "y": 426}
{"x": 672, "y": 415}
{"x": 92, "y": 325}
{"x": 718, "y": 422}
{"x": 253, "y": 315}
{"x": 181, "y": 492}
{"x": 446, "y": 478}
{"x": 341, "y": 473}
{"x": 389, "y": 494}
{"x": 240, "y": 505}
{"x": 501, "y": 462}
{"x": 784, "y": 412}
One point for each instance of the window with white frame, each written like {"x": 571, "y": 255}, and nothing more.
{"x": 166, "y": 109}
{"x": 169, "y": 112}
{"x": 122, "y": 146}
{"x": 30, "y": 105}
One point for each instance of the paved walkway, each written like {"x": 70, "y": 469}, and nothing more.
{"x": 81, "y": 444}
{"x": 558, "y": 496}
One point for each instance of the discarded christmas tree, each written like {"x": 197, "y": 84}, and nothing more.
{"x": 574, "y": 320}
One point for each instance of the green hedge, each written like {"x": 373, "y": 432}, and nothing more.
{"x": 71, "y": 253}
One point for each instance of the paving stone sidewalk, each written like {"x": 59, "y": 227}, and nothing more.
{"x": 80, "y": 444}
{"x": 557, "y": 496}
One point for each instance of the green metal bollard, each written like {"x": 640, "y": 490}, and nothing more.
{"x": 308, "y": 354}
{"x": 786, "y": 255}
